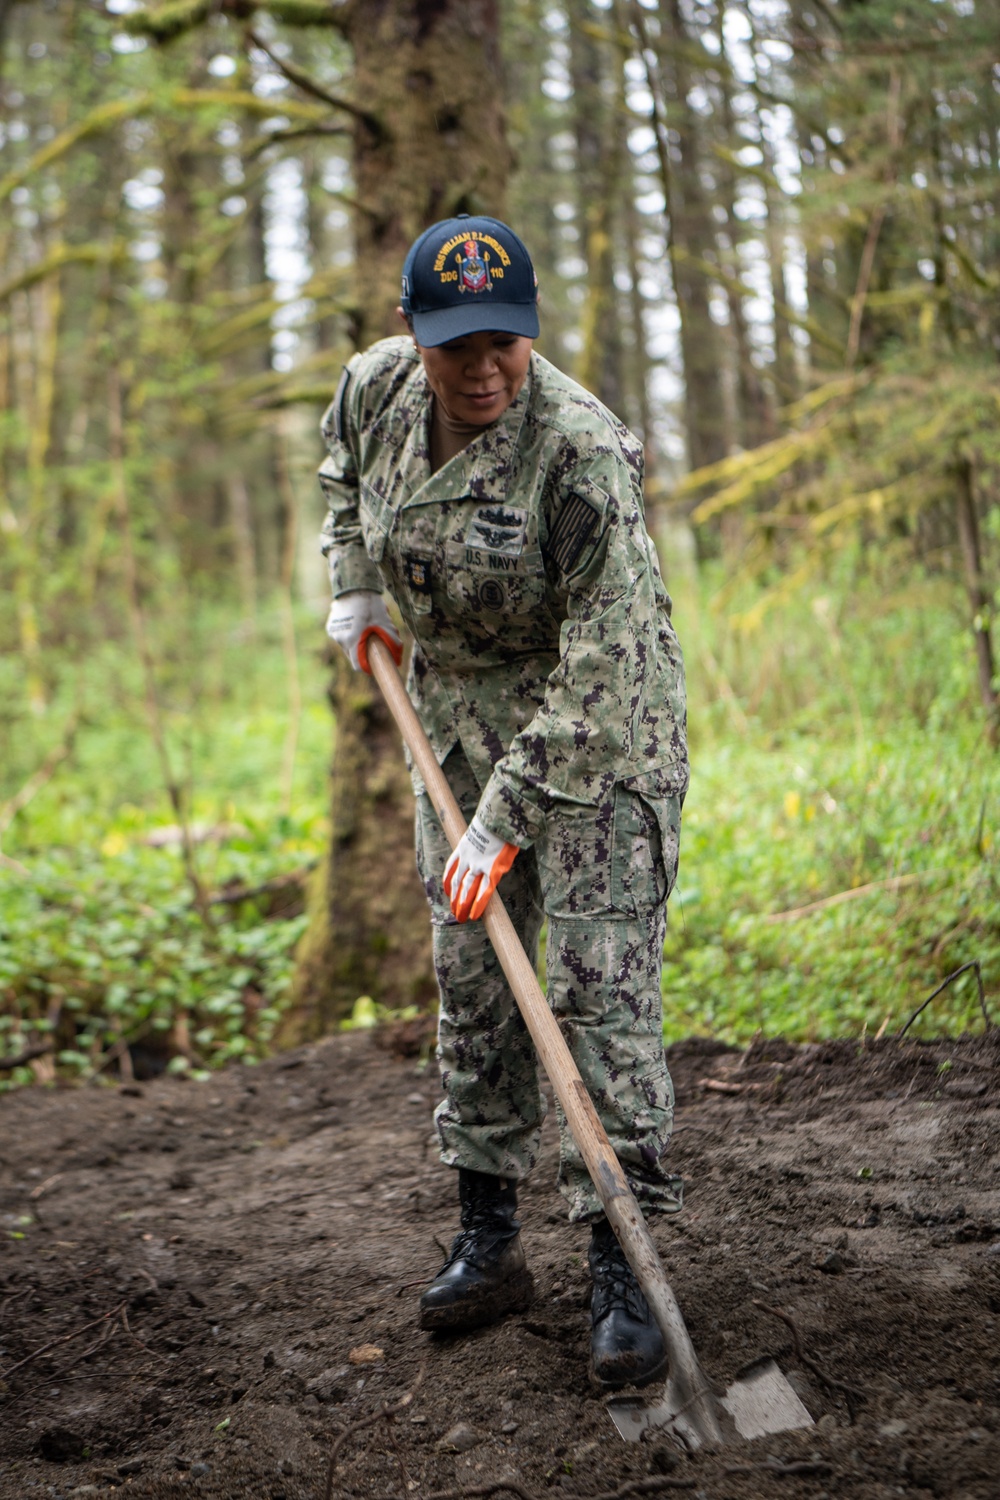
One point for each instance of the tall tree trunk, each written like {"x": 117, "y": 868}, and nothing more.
{"x": 979, "y": 595}
{"x": 754, "y": 418}
{"x": 693, "y": 247}
{"x": 431, "y": 144}
{"x": 785, "y": 373}
{"x": 539, "y": 182}
{"x": 599, "y": 162}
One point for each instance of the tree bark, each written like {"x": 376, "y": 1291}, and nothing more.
{"x": 754, "y": 416}
{"x": 432, "y": 142}
{"x": 693, "y": 244}
{"x": 599, "y": 137}
{"x": 979, "y": 599}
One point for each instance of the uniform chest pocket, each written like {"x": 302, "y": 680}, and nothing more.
{"x": 494, "y": 584}
{"x": 377, "y": 516}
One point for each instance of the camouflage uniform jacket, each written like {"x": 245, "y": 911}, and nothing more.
{"x": 523, "y": 571}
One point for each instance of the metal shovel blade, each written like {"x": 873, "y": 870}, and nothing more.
{"x": 758, "y": 1402}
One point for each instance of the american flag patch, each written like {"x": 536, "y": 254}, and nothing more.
{"x": 574, "y": 527}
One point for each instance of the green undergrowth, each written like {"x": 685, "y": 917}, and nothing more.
{"x": 108, "y": 936}
{"x": 826, "y": 890}
{"x": 839, "y": 856}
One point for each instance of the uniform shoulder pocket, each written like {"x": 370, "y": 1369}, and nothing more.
{"x": 377, "y": 516}
{"x": 334, "y": 423}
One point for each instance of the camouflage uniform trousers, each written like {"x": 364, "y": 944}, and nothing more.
{"x": 600, "y": 878}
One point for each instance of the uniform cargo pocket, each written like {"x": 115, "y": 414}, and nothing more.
{"x": 644, "y": 861}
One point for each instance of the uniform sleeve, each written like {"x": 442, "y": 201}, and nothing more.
{"x": 614, "y": 705}
{"x": 341, "y": 541}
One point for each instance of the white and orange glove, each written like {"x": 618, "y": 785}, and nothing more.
{"x": 353, "y": 618}
{"x": 474, "y": 870}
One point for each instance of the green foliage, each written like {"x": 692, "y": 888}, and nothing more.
{"x": 101, "y": 940}
{"x": 113, "y": 946}
{"x": 838, "y": 771}
{"x": 165, "y": 22}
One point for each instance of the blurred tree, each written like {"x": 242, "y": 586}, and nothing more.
{"x": 898, "y": 218}
{"x": 668, "y": 51}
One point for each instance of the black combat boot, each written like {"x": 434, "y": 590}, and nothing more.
{"x": 485, "y": 1275}
{"x": 626, "y": 1347}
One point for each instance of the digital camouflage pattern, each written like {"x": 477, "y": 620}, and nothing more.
{"x": 547, "y": 674}
{"x": 599, "y": 877}
{"x": 523, "y": 570}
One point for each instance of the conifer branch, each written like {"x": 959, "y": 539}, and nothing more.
{"x": 317, "y": 90}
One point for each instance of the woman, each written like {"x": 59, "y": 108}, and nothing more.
{"x": 500, "y": 506}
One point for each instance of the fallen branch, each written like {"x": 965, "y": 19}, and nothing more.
{"x": 943, "y": 986}
{"x": 135, "y": 1337}
{"x": 43, "y": 1187}
{"x": 65, "y": 1339}
{"x": 720, "y": 1086}
{"x": 384, "y": 1414}
{"x": 267, "y": 887}
{"x": 850, "y": 1393}
{"x": 37, "y": 1049}
{"x": 105, "y": 1338}
{"x": 894, "y": 883}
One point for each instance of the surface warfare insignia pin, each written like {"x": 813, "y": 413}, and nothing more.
{"x": 418, "y": 574}
{"x": 497, "y": 528}
{"x": 473, "y": 271}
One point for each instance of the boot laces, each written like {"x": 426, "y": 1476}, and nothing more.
{"x": 484, "y": 1232}
{"x": 615, "y": 1286}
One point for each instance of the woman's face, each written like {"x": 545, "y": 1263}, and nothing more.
{"x": 476, "y": 377}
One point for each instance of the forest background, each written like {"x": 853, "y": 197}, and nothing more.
{"x": 766, "y": 234}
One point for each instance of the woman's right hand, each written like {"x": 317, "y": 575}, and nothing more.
{"x": 353, "y": 618}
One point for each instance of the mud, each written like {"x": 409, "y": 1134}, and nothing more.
{"x": 204, "y": 1288}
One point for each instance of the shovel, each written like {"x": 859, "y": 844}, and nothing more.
{"x": 689, "y": 1411}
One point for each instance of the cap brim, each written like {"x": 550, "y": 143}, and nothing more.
{"x": 444, "y": 323}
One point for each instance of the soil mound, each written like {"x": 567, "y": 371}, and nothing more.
{"x": 206, "y": 1289}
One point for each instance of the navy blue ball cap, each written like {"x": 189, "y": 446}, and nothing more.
{"x": 469, "y": 274}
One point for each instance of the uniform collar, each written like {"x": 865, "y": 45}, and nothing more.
{"x": 484, "y": 469}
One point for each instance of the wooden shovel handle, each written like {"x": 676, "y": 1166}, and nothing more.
{"x": 589, "y": 1134}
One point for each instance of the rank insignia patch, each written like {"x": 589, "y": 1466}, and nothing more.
{"x": 491, "y": 594}
{"x": 574, "y": 527}
{"x": 418, "y": 574}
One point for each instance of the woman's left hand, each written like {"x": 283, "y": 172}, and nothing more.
{"x": 475, "y": 869}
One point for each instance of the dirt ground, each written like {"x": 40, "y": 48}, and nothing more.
{"x": 205, "y": 1287}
